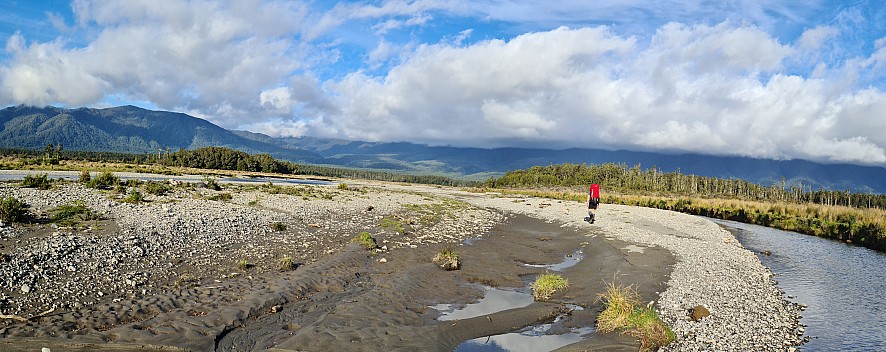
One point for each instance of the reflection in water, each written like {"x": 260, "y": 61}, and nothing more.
{"x": 495, "y": 300}
{"x": 568, "y": 262}
{"x": 531, "y": 339}
{"x": 841, "y": 284}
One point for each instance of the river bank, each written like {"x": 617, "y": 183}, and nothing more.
{"x": 168, "y": 268}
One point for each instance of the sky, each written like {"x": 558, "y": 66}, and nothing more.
{"x": 778, "y": 79}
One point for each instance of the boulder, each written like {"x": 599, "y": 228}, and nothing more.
{"x": 698, "y": 312}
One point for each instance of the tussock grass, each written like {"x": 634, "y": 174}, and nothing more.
{"x": 547, "y": 284}
{"x": 278, "y": 226}
{"x": 286, "y": 264}
{"x": 447, "y": 259}
{"x": 622, "y": 313}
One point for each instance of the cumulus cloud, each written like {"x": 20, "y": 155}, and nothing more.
{"x": 723, "y": 88}
{"x": 706, "y": 89}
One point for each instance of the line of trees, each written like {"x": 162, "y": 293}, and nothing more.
{"x": 220, "y": 158}
{"x": 619, "y": 177}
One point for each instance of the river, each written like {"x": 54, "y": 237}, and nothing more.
{"x": 842, "y": 285}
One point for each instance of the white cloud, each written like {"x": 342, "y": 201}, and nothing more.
{"x": 277, "y": 99}
{"x": 813, "y": 38}
{"x": 706, "y": 89}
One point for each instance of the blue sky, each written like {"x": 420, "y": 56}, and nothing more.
{"x": 769, "y": 79}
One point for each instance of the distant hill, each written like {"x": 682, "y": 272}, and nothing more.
{"x": 130, "y": 129}
{"x": 126, "y": 129}
{"x": 482, "y": 163}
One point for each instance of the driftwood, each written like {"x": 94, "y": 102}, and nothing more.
{"x": 23, "y": 319}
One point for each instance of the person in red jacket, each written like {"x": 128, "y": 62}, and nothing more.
{"x": 593, "y": 202}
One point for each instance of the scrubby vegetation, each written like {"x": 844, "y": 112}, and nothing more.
{"x": 447, "y": 259}
{"x": 366, "y": 240}
{"x": 278, "y": 226}
{"x": 547, "y": 284}
{"x": 622, "y": 312}
{"x": 286, "y": 264}
{"x": 157, "y": 188}
{"x": 73, "y": 214}
{"x": 13, "y": 210}
{"x": 224, "y": 197}
{"x": 38, "y": 181}
{"x": 134, "y": 197}
{"x": 105, "y": 180}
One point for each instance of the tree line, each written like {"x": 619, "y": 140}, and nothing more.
{"x": 618, "y": 177}
{"x": 220, "y": 158}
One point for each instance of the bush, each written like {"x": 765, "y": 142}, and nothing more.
{"x": 85, "y": 177}
{"x": 278, "y": 226}
{"x": 546, "y": 284}
{"x": 134, "y": 196}
{"x": 343, "y": 186}
{"x": 243, "y": 264}
{"x": 71, "y": 214}
{"x": 447, "y": 259}
{"x": 105, "y": 180}
{"x": 211, "y": 184}
{"x": 366, "y": 240}
{"x": 221, "y": 196}
{"x": 13, "y": 210}
{"x": 157, "y": 188}
{"x": 38, "y": 181}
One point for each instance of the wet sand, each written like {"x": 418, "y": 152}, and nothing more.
{"x": 355, "y": 301}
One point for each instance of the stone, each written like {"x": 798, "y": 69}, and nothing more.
{"x": 698, "y": 312}
{"x": 26, "y": 289}
{"x": 382, "y": 260}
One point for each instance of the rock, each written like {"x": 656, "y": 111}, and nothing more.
{"x": 382, "y": 260}
{"x": 698, "y": 312}
{"x": 45, "y": 349}
{"x": 26, "y": 289}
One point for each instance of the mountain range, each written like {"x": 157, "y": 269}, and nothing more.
{"x": 131, "y": 129}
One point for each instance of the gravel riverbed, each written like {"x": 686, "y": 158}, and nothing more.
{"x": 187, "y": 238}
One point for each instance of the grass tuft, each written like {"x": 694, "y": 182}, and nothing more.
{"x": 72, "y": 214}
{"x": 278, "y": 226}
{"x": 134, "y": 197}
{"x": 622, "y": 313}
{"x": 286, "y": 264}
{"x": 546, "y": 284}
{"x": 447, "y": 259}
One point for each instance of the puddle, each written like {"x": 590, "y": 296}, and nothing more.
{"x": 494, "y": 300}
{"x": 568, "y": 262}
{"x": 544, "y": 337}
{"x": 472, "y": 240}
{"x": 634, "y": 249}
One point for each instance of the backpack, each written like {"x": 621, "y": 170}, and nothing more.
{"x": 594, "y": 191}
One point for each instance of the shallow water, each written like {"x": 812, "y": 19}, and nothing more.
{"x": 568, "y": 262}
{"x": 842, "y": 285}
{"x": 494, "y": 300}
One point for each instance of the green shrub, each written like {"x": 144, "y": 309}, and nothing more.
{"x": 546, "y": 284}
{"x": 134, "y": 196}
{"x": 366, "y": 240}
{"x": 221, "y": 196}
{"x": 71, "y": 214}
{"x": 343, "y": 186}
{"x": 157, "y": 188}
{"x": 211, "y": 184}
{"x": 85, "y": 177}
{"x": 105, "y": 180}
{"x": 278, "y": 226}
{"x": 13, "y": 210}
{"x": 38, "y": 181}
{"x": 243, "y": 264}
